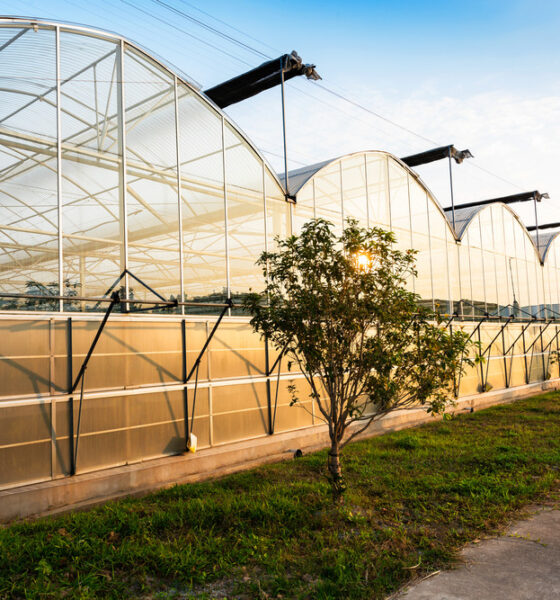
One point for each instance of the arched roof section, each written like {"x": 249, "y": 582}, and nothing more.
{"x": 466, "y": 216}
{"x": 32, "y": 24}
{"x": 112, "y": 163}
{"x": 548, "y": 242}
{"x": 299, "y": 180}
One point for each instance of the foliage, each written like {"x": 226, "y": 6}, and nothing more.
{"x": 340, "y": 309}
{"x": 415, "y": 496}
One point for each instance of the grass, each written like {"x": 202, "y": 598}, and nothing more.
{"x": 415, "y": 497}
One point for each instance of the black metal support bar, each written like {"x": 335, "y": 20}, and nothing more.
{"x": 278, "y": 358}
{"x": 229, "y": 304}
{"x": 440, "y": 153}
{"x": 79, "y": 424}
{"x": 554, "y": 338}
{"x": 484, "y": 371}
{"x": 69, "y": 367}
{"x": 539, "y": 336}
{"x": 522, "y": 197}
{"x": 115, "y": 299}
{"x": 276, "y": 395}
{"x": 165, "y": 303}
{"x": 504, "y": 359}
{"x": 525, "y": 355}
{"x": 477, "y": 328}
{"x": 509, "y": 320}
{"x": 263, "y": 77}
{"x": 545, "y": 226}
{"x": 517, "y": 338}
{"x": 110, "y": 289}
{"x": 145, "y": 285}
{"x": 268, "y": 391}
{"x": 184, "y": 375}
{"x": 173, "y": 304}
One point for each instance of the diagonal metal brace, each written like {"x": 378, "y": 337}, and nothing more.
{"x": 229, "y": 304}
{"x": 195, "y": 368}
{"x": 115, "y": 299}
{"x": 539, "y": 335}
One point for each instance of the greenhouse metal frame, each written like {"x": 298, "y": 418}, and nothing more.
{"x": 117, "y": 175}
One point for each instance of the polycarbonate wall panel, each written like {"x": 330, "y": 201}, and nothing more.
{"x": 151, "y": 178}
{"x": 378, "y": 190}
{"x": 328, "y": 195}
{"x": 277, "y": 214}
{"x": 202, "y": 199}
{"x": 304, "y": 209}
{"x": 93, "y": 245}
{"x": 355, "y": 189}
{"x": 399, "y": 203}
{"x": 28, "y": 166}
{"x": 246, "y": 216}
{"x": 420, "y": 241}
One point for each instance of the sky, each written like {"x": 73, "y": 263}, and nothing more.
{"x": 483, "y": 75}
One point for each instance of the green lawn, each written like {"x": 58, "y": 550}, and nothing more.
{"x": 415, "y": 497}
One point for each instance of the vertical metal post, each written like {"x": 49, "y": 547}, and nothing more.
{"x": 122, "y": 150}
{"x": 544, "y": 369}
{"x": 525, "y": 356}
{"x": 210, "y": 388}
{"x": 70, "y": 380}
{"x": 504, "y": 356}
{"x": 53, "y": 398}
{"x": 482, "y": 382}
{"x": 59, "y": 171}
{"x": 184, "y": 376}
{"x": 341, "y": 193}
{"x": 286, "y": 179}
{"x": 409, "y": 223}
{"x": 451, "y": 187}
{"x": 388, "y": 186}
{"x": 368, "y": 216}
{"x": 226, "y": 228}
{"x": 455, "y": 386}
{"x": 430, "y": 250}
{"x": 179, "y": 202}
{"x": 536, "y": 220}
{"x": 268, "y": 390}
{"x": 266, "y": 350}
{"x": 558, "y": 351}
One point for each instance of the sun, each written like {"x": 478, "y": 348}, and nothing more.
{"x": 363, "y": 261}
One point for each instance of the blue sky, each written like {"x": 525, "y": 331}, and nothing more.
{"x": 480, "y": 74}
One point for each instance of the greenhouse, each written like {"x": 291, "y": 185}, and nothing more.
{"x": 117, "y": 174}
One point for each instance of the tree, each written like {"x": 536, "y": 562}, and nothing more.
{"x": 340, "y": 310}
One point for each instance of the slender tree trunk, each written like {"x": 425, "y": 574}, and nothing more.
{"x": 335, "y": 473}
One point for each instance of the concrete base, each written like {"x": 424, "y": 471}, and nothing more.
{"x": 93, "y": 488}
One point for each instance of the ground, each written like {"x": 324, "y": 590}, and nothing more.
{"x": 522, "y": 564}
{"x": 415, "y": 498}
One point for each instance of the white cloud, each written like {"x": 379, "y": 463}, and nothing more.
{"x": 516, "y": 137}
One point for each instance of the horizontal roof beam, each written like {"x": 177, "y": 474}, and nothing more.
{"x": 261, "y": 78}
{"x": 545, "y": 226}
{"x": 521, "y": 197}
{"x": 437, "y": 154}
